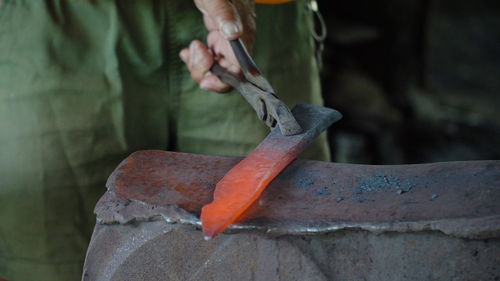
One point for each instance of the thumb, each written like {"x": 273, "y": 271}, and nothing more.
{"x": 224, "y": 15}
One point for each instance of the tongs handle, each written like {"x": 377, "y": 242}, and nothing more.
{"x": 258, "y": 92}
{"x": 244, "y": 59}
{"x": 248, "y": 66}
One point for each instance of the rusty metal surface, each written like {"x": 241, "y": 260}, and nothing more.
{"x": 457, "y": 198}
{"x": 309, "y": 224}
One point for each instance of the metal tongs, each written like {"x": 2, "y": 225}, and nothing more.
{"x": 258, "y": 92}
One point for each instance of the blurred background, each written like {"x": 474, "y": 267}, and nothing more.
{"x": 417, "y": 80}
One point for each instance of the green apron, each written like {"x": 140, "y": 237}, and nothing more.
{"x": 85, "y": 83}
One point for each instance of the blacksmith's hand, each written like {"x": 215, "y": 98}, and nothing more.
{"x": 225, "y": 21}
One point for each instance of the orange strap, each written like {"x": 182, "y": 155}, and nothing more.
{"x": 272, "y": 1}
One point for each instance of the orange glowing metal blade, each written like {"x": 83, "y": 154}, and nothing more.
{"x": 245, "y": 182}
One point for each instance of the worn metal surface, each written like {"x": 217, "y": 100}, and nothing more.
{"x": 457, "y": 198}
{"x": 316, "y": 221}
{"x": 156, "y": 250}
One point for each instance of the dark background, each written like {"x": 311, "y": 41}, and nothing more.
{"x": 417, "y": 80}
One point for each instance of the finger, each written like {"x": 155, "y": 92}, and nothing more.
{"x": 225, "y": 16}
{"x": 199, "y": 60}
{"x": 246, "y": 12}
{"x": 184, "y": 55}
{"x": 212, "y": 83}
{"x": 223, "y": 52}
{"x": 210, "y": 23}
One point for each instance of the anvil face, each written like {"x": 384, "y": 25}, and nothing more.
{"x": 314, "y": 196}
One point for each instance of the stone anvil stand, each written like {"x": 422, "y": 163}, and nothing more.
{"x": 316, "y": 221}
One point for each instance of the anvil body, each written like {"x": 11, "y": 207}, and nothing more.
{"x": 316, "y": 221}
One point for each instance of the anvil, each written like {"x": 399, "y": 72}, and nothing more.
{"x": 148, "y": 221}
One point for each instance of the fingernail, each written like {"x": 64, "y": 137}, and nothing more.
{"x": 229, "y": 28}
{"x": 204, "y": 87}
{"x": 194, "y": 55}
{"x": 234, "y": 68}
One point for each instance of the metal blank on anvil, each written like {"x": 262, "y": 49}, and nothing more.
{"x": 243, "y": 185}
{"x": 458, "y": 198}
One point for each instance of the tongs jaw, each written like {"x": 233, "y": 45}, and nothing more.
{"x": 258, "y": 92}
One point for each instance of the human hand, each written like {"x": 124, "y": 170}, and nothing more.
{"x": 224, "y": 21}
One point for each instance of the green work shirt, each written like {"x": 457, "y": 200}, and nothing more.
{"x": 85, "y": 83}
